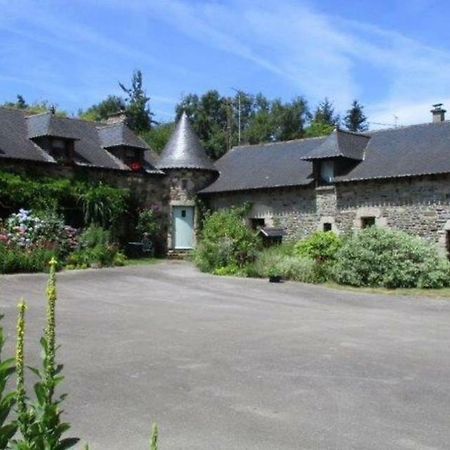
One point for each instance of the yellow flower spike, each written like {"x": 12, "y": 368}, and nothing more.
{"x": 20, "y": 358}
{"x": 53, "y": 262}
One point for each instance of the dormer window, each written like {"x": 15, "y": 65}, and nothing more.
{"x": 133, "y": 158}
{"x": 326, "y": 172}
{"x": 61, "y": 149}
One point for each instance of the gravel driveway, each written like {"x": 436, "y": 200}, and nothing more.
{"x": 228, "y": 363}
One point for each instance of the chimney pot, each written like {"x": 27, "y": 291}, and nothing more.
{"x": 438, "y": 113}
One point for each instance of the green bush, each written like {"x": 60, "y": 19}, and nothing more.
{"x": 96, "y": 250}
{"x": 384, "y": 258}
{"x": 225, "y": 241}
{"x": 321, "y": 246}
{"x": 279, "y": 260}
{"x": 17, "y": 259}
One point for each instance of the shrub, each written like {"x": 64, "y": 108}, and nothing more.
{"x": 225, "y": 241}
{"x": 96, "y": 250}
{"x": 15, "y": 259}
{"x": 46, "y": 229}
{"x": 279, "y": 260}
{"x": 321, "y": 246}
{"x": 392, "y": 259}
{"x": 148, "y": 222}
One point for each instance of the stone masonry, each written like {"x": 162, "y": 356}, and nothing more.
{"x": 419, "y": 206}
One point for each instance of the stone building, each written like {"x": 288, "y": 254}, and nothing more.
{"x": 397, "y": 178}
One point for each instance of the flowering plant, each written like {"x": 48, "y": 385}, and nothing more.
{"x": 22, "y": 228}
{"x": 27, "y": 231}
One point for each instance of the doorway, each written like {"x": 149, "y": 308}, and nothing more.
{"x": 183, "y": 223}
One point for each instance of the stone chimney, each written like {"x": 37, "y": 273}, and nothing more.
{"x": 117, "y": 117}
{"x": 438, "y": 113}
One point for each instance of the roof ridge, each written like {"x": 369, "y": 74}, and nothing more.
{"x": 402, "y": 127}
{"x": 353, "y": 133}
{"x": 268, "y": 144}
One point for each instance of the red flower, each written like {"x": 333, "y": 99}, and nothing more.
{"x": 136, "y": 166}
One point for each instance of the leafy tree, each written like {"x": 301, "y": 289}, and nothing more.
{"x": 101, "y": 111}
{"x": 210, "y": 117}
{"x": 289, "y": 119}
{"x": 158, "y": 136}
{"x": 34, "y": 108}
{"x": 137, "y": 108}
{"x": 317, "y": 129}
{"x": 135, "y": 105}
{"x": 215, "y": 119}
{"x": 355, "y": 119}
{"x": 324, "y": 120}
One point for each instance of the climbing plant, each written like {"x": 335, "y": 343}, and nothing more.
{"x": 98, "y": 203}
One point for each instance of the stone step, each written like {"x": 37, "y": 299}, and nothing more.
{"x": 179, "y": 254}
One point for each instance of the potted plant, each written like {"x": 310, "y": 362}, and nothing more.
{"x": 274, "y": 275}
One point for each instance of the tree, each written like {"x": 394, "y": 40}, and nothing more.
{"x": 101, "y": 111}
{"x": 158, "y": 136}
{"x": 35, "y": 108}
{"x": 325, "y": 113}
{"x": 289, "y": 119}
{"x": 211, "y": 120}
{"x": 324, "y": 120}
{"x": 355, "y": 120}
{"x": 215, "y": 119}
{"x": 137, "y": 108}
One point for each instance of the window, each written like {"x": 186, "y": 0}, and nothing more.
{"x": 327, "y": 226}
{"x": 183, "y": 213}
{"x": 367, "y": 222}
{"x": 257, "y": 223}
{"x": 60, "y": 150}
{"x": 326, "y": 172}
{"x": 132, "y": 155}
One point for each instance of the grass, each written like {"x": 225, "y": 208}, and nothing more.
{"x": 412, "y": 292}
{"x": 141, "y": 261}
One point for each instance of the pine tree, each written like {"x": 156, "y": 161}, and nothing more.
{"x": 355, "y": 120}
{"x": 325, "y": 115}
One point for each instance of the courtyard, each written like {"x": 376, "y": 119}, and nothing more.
{"x": 229, "y": 363}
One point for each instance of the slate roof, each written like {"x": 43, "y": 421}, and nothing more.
{"x": 399, "y": 152}
{"x": 119, "y": 134}
{"x": 340, "y": 144}
{"x": 14, "y": 141}
{"x": 265, "y": 166}
{"x": 47, "y": 124}
{"x": 17, "y": 131}
{"x": 184, "y": 149}
{"x": 404, "y": 152}
{"x": 272, "y": 232}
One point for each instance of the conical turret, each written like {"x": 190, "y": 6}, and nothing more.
{"x": 184, "y": 150}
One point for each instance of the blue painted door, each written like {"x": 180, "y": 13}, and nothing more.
{"x": 183, "y": 219}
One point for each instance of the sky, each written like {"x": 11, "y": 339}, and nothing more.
{"x": 391, "y": 55}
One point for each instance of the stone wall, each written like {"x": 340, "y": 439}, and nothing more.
{"x": 419, "y": 206}
{"x": 293, "y": 209}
